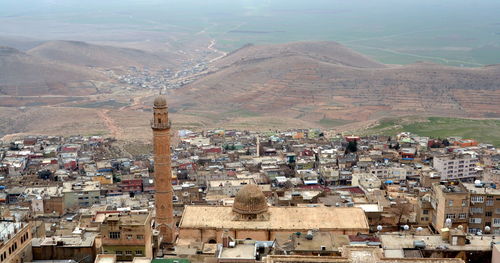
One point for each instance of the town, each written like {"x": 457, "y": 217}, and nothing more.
{"x": 304, "y": 195}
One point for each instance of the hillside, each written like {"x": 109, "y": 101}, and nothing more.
{"x": 328, "y": 52}
{"x": 22, "y": 74}
{"x": 90, "y": 55}
{"x": 483, "y": 130}
{"x": 326, "y": 84}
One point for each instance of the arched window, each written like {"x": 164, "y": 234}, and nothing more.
{"x": 159, "y": 120}
{"x": 212, "y": 241}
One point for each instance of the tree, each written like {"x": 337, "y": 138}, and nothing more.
{"x": 13, "y": 147}
{"x": 45, "y": 174}
{"x": 352, "y": 147}
{"x": 400, "y": 209}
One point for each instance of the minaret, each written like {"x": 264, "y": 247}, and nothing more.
{"x": 163, "y": 170}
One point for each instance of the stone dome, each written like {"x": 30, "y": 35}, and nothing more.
{"x": 160, "y": 101}
{"x": 250, "y": 201}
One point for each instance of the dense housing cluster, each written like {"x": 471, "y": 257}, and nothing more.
{"x": 242, "y": 196}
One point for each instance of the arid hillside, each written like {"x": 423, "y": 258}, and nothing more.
{"x": 328, "y": 52}
{"x": 326, "y": 84}
{"x": 22, "y": 74}
{"x": 90, "y": 55}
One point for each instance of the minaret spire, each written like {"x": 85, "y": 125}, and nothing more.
{"x": 163, "y": 170}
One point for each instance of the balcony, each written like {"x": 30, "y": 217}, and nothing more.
{"x": 160, "y": 126}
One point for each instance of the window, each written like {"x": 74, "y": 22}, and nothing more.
{"x": 475, "y": 220}
{"x": 476, "y": 210}
{"x": 452, "y": 216}
{"x": 488, "y": 214}
{"x": 473, "y": 230}
{"x": 118, "y": 253}
{"x": 496, "y": 221}
{"x": 450, "y": 202}
{"x": 425, "y": 211}
{"x": 462, "y": 216}
{"x": 114, "y": 235}
{"x": 128, "y": 252}
{"x": 129, "y": 237}
{"x": 477, "y": 199}
{"x": 489, "y": 202}
{"x": 140, "y": 237}
{"x": 138, "y": 252}
{"x": 464, "y": 202}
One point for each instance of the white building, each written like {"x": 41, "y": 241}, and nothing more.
{"x": 458, "y": 166}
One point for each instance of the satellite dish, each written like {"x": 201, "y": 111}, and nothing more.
{"x": 487, "y": 229}
{"x": 379, "y": 228}
{"x": 419, "y": 229}
{"x": 460, "y": 227}
{"x": 406, "y": 227}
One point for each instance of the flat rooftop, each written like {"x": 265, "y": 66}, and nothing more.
{"x": 282, "y": 218}
{"x": 129, "y": 219}
{"x": 103, "y": 258}
{"x": 481, "y": 190}
{"x": 240, "y": 251}
{"x": 8, "y": 228}
{"x": 395, "y": 241}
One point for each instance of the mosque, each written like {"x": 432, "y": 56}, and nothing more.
{"x": 250, "y": 217}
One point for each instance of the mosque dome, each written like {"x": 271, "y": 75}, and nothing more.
{"x": 250, "y": 200}
{"x": 160, "y": 101}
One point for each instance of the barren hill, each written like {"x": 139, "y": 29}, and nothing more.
{"x": 324, "y": 86}
{"x": 23, "y": 74}
{"x": 328, "y": 52}
{"x": 85, "y": 54}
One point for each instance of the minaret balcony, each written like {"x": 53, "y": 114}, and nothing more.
{"x": 160, "y": 126}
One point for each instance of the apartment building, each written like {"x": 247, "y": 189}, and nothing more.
{"x": 484, "y": 208}
{"x": 15, "y": 242}
{"x": 449, "y": 201}
{"x": 81, "y": 194}
{"x": 454, "y": 167}
{"x": 127, "y": 235}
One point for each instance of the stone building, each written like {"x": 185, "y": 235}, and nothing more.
{"x": 250, "y": 217}
{"x": 127, "y": 235}
{"x": 15, "y": 242}
{"x": 79, "y": 247}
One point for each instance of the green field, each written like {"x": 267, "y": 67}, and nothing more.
{"x": 451, "y": 32}
{"x": 485, "y": 131}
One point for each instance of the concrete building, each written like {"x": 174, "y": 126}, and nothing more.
{"x": 15, "y": 242}
{"x": 227, "y": 187}
{"x": 449, "y": 201}
{"x": 458, "y": 166}
{"x": 79, "y": 247}
{"x": 81, "y": 194}
{"x": 484, "y": 208}
{"x": 163, "y": 171}
{"x": 127, "y": 235}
